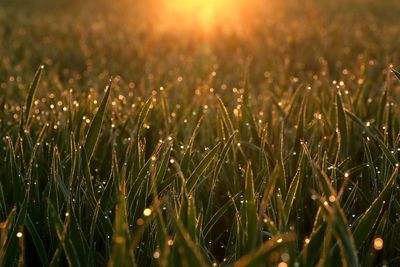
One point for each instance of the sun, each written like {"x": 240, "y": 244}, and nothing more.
{"x": 203, "y": 14}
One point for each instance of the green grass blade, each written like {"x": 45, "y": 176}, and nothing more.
{"x": 121, "y": 252}
{"x": 62, "y": 234}
{"x": 88, "y": 178}
{"x": 162, "y": 239}
{"x": 100, "y": 218}
{"x": 143, "y": 115}
{"x": 338, "y": 223}
{"x": 2, "y": 202}
{"x": 270, "y": 188}
{"x": 162, "y": 170}
{"x": 324, "y": 181}
{"x": 371, "y": 216}
{"x": 260, "y": 256}
{"x": 11, "y": 250}
{"x": 218, "y": 214}
{"x": 396, "y": 73}
{"x": 185, "y": 162}
{"x": 294, "y": 189}
{"x": 224, "y": 153}
{"x": 37, "y": 240}
{"x": 225, "y": 115}
{"x": 95, "y": 127}
{"x": 191, "y": 255}
{"x": 31, "y": 94}
{"x": 250, "y": 216}
{"x": 201, "y": 168}
{"x": 341, "y": 125}
{"x": 312, "y": 249}
{"x": 5, "y": 229}
{"x": 381, "y": 109}
{"x": 378, "y": 141}
{"x": 191, "y": 219}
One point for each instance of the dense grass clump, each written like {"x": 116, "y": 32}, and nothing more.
{"x": 130, "y": 146}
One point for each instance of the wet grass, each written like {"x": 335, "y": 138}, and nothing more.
{"x": 278, "y": 146}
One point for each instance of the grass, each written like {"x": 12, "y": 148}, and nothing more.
{"x": 277, "y": 146}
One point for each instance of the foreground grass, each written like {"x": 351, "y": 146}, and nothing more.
{"x": 197, "y": 154}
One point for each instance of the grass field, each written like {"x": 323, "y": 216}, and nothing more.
{"x": 128, "y": 139}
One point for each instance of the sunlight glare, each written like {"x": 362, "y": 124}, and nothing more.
{"x": 203, "y": 14}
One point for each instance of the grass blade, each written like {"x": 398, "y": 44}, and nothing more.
{"x": 341, "y": 125}
{"x": 338, "y": 223}
{"x": 250, "y": 217}
{"x": 224, "y": 153}
{"x": 11, "y": 250}
{"x": 201, "y": 168}
{"x": 218, "y": 214}
{"x": 31, "y": 95}
{"x": 5, "y": 229}
{"x": 294, "y": 189}
{"x": 396, "y": 73}
{"x": 37, "y": 240}
{"x": 191, "y": 255}
{"x": 378, "y": 141}
{"x": 371, "y": 217}
{"x": 95, "y": 127}
{"x": 260, "y": 256}
{"x": 62, "y": 234}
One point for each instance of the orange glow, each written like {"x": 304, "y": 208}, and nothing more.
{"x": 202, "y": 14}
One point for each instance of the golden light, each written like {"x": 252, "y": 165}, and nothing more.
{"x": 202, "y": 14}
{"x": 147, "y": 212}
{"x": 378, "y": 243}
